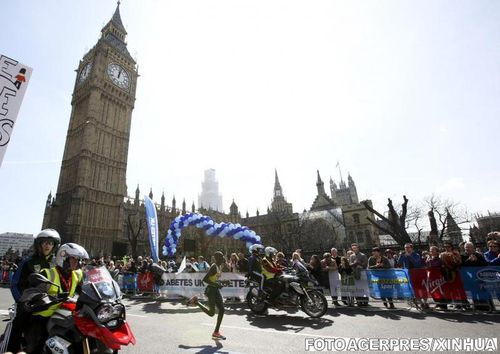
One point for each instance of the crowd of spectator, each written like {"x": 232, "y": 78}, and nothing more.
{"x": 349, "y": 265}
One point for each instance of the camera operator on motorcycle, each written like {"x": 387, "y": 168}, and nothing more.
{"x": 66, "y": 277}
{"x": 45, "y": 245}
{"x": 270, "y": 269}
{"x": 255, "y": 265}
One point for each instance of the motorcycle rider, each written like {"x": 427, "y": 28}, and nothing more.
{"x": 45, "y": 245}
{"x": 255, "y": 265}
{"x": 67, "y": 277}
{"x": 270, "y": 269}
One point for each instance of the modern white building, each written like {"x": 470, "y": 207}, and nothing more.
{"x": 16, "y": 241}
{"x": 210, "y": 197}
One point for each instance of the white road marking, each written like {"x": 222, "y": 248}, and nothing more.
{"x": 134, "y": 315}
{"x": 274, "y": 331}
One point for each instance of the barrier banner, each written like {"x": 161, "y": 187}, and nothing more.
{"x": 432, "y": 283}
{"x": 145, "y": 282}
{"x": 190, "y": 284}
{"x": 393, "y": 283}
{"x": 334, "y": 279}
{"x": 481, "y": 283}
{"x": 5, "y": 276}
{"x": 350, "y": 286}
{"x": 129, "y": 282}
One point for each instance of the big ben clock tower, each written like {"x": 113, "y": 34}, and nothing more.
{"x": 92, "y": 184}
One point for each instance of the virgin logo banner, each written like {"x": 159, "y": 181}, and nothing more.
{"x": 145, "y": 282}
{"x": 433, "y": 283}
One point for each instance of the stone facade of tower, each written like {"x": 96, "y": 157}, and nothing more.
{"x": 344, "y": 194}
{"x": 358, "y": 228}
{"x": 210, "y": 197}
{"x": 88, "y": 207}
{"x": 279, "y": 203}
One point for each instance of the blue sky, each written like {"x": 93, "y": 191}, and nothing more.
{"x": 405, "y": 94}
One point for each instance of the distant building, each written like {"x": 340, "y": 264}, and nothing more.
{"x": 452, "y": 233}
{"x": 332, "y": 221}
{"x": 15, "y": 242}
{"x": 485, "y": 225}
{"x": 210, "y": 198}
{"x": 88, "y": 206}
{"x": 344, "y": 194}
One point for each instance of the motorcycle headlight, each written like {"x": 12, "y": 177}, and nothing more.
{"x": 118, "y": 310}
{"x": 108, "y": 312}
{"x": 105, "y": 313}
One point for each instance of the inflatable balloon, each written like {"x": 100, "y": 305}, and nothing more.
{"x": 236, "y": 231}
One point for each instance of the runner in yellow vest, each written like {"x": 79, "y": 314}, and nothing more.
{"x": 67, "y": 277}
{"x": 213, "y": 294}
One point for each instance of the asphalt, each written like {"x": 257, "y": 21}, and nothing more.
{"x": 171, "y": 327}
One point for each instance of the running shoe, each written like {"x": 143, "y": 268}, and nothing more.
{"x": 217, "y": 335}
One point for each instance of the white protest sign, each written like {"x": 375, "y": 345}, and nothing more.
{"x": 14, "y": 78}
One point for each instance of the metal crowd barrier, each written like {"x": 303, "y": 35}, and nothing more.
{"x": 476, "y": 288}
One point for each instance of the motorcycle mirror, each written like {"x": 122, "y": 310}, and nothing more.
{"x": 36, "y": 279}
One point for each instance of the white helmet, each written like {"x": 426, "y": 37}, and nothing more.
{"x": 256, "y": 248}
{"x": 70, "y": 250}
{"x": 47, "y": 234}
{"x": 270, "y": 251}
{"x": 50, "y": 234}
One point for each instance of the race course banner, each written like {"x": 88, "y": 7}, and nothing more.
{"x": 432, "y": 283}
{"x": 14, "y": 78}
{"x": 393, "y": 283}
{"x": 481, "y": 283}
{"x": 190, "y": 284}
{"x": 350, "y": 286}
{"x": 145, "y": 282}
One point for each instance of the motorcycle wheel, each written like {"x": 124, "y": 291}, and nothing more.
{"x": 318, "y": 305}
{"x": 258, "y": 306}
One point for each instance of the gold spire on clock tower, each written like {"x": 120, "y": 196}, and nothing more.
{"x": 92, "y": 183}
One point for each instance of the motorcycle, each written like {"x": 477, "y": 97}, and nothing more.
{"x": 299, "y": 289}
{"x": 4, "y": 338}
{"x": 94, "y": 323}
{"x": 33, "y": 299}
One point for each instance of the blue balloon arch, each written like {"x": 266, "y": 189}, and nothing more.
{"x": 236, "y": 231}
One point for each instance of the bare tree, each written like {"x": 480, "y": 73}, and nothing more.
{"x": 134, "y": 229}
{"x": 414, "y": 221}
{"x": 317, "y": 233}
{"x": 395, "y": 223}
{"x": 442, "y": 210}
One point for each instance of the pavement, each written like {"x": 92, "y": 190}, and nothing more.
{"x": 171, "y": 327}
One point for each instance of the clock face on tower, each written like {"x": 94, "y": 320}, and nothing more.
{"x": 84, "y": 73}
{"x": 118, "y": 76}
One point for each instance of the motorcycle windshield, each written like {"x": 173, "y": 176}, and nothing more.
{"x": 98, "y": 284}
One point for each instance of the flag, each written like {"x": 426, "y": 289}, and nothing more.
{"x": 14, "y": 78}
{"x": 152, "y": 220}
{"x": 182, "y": 266}
{"x": 338, "y": 164}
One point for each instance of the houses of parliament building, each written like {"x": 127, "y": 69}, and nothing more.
{"x": 91, "y": 206}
